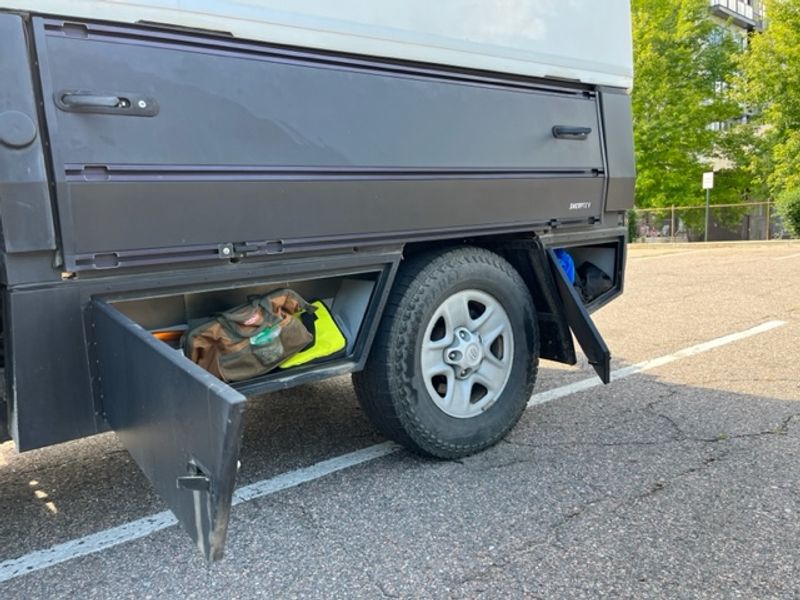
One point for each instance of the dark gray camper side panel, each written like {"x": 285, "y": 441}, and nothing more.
{"x": 27, "y": 233}
{"x": 219, "y": 141}
{"x": 618, "y": 130}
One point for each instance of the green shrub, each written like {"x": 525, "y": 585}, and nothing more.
{"x": 788, "y": 205}
{"x": 633, "y": 226}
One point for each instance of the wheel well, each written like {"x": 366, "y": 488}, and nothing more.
{"x": 495, "y": 243}
{"x": 528, "y": 257}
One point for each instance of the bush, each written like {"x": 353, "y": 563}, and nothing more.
{"x": 788, "y": 206}
{"x": 633, "y": 226}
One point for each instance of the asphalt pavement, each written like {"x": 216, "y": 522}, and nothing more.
{"x": 678, "y": 480}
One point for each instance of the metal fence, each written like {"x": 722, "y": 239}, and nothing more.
{"x": 744, "y": 221}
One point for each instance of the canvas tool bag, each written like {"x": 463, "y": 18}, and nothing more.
{"x": 251, "y": 339}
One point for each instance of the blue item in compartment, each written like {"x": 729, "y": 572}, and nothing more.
{"x": 565, "y": 259}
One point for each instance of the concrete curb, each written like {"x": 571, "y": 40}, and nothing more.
{"x": 644, "y": 246}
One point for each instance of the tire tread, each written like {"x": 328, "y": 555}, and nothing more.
{"x": 377, "y": 386}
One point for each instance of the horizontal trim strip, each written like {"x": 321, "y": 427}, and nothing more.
{"x": 208, "y": 252}
{"x": 111, "y": 173}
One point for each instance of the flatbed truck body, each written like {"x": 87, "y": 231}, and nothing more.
{"x": 160, "y": 163}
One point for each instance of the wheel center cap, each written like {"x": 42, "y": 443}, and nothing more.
{"x": 466, "y": 353}
{"x": 473, "y": 355}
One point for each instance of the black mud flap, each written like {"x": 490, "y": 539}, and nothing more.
{"x": 181, "y": 424}
{"x": 580, "y": 322}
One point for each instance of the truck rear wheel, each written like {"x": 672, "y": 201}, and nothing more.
{"x": 455, "y": 358}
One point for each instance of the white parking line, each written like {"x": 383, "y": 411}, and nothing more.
{"x": 786, "y": 257}
{"x": 133, "y": 530}
{"x": 585, "y": 384}
{"x": 127, "y": 532}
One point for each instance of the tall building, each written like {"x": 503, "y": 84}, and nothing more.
{"x": 741, "y": 18}
{"x": 745, "y": 15}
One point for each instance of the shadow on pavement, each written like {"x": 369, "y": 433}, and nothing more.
{"x": 644, "y": 486}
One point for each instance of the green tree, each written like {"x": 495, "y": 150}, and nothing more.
{"x": 788, "y": 205}
{"x": 681, "y": 58}
{"x": 770, "y": 83}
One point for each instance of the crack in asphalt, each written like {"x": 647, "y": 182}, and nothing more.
{"x": 558, "y": 530}
{"x": 662, "y": 484}
{"x": 592, "y": 444}
{"x": 304, "y": 516}
{"x": 781, "y": 429}
{"x": 309, "y": 521}
{"x": 499, "y": 563}
{"x": 483, "y": 468}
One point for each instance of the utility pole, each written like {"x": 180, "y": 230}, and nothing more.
{"x": 708, "y": 183}
{"x": 768, "y": 236}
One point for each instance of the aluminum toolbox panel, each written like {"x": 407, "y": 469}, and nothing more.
{"x": 182, "y": 425}
{"x": 218, "y": 140}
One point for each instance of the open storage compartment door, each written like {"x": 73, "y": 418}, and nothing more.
{"x": 181, "y": 424}
{"x": 580, "y": 322}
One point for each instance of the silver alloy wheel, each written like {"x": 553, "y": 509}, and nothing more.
{"x": 467, "y": 353}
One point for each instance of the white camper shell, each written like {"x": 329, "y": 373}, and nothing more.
{"x": 577, "y": 40}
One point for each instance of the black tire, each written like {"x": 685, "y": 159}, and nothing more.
{"x": 391, "y": 389}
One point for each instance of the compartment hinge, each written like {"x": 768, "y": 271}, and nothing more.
{"x": 196, "y": 483}
{"x": 198, "y": 480}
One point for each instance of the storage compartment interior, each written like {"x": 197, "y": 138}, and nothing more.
{"x": 346, "y": 297}
{"x": 603, "y": 257}
{"x": 597, "y": 271}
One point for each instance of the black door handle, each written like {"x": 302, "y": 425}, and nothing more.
{"x": 80, "y": 101}
{"x": 74, "y": 100}
{"x": 569, "y": 132}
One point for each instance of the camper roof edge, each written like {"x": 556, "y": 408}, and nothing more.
{"x": 580, "y": 40}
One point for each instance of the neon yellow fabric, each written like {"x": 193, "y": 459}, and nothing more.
{"x": 328, "y": 339}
